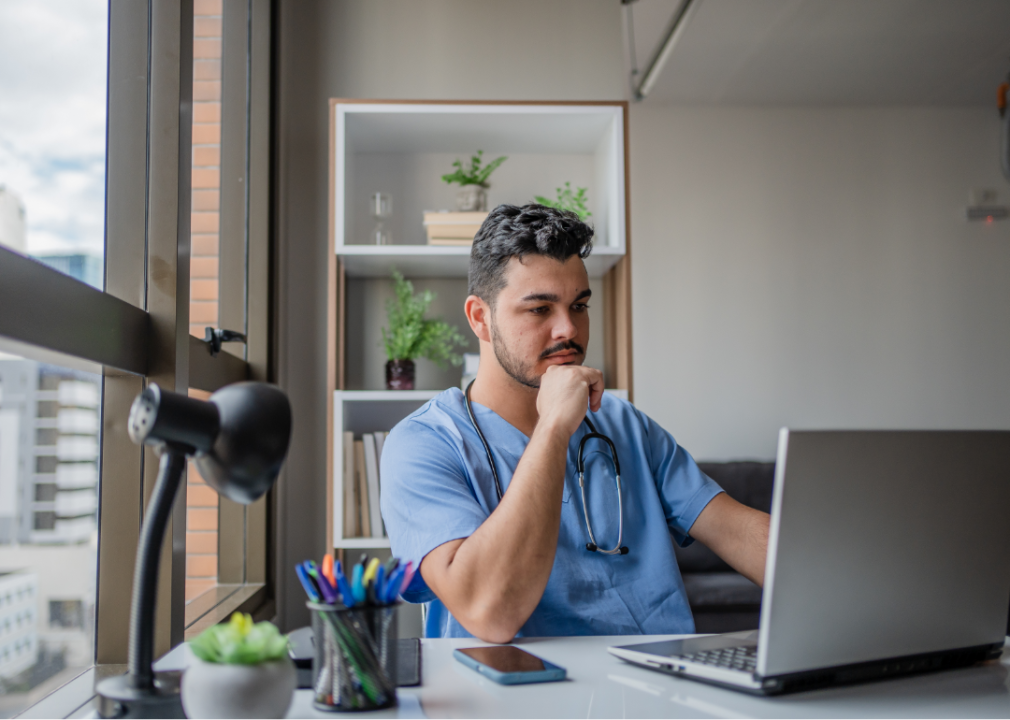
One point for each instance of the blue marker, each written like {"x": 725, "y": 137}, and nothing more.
{"x": 326, "y": 590}
{"x": 310, "y": 588}
{"x": 357, "y": 586}
{"x": 343, "y": 587}
{"x": 393, "y": 586}
{"x": 380, "y": 585}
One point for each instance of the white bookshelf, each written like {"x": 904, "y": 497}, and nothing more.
{"x": 403, "y": 148}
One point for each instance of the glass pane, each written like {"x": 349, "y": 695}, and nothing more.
{"x": 50, "y": 434}
{"x": 206, "y": 183}
{"x": 201, "y": 529}
{"x": 53, "y": 68}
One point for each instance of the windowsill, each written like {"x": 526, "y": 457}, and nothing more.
{"x": 74, "y": 698}
{"x": 218, "y": 603}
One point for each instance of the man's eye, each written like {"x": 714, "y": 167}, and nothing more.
{"x": 539, "y": 310}
{"x": 580, "y": 307}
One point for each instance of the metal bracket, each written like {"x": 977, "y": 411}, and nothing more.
{"x": 215, "y": 336}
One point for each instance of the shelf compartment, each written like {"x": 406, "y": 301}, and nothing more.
{"x": 365, "y": 411}
{"x": 403, "y": 149}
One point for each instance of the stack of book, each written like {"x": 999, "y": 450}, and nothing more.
{"x": 452, "y": 228}
{"x": 362, "y": 517}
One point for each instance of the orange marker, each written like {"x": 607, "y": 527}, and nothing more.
{"x": 327, "y": 569}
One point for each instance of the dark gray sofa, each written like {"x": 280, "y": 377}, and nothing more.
{"x": 722, "y": 599}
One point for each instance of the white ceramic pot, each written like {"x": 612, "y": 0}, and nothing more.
{"x": 211, "y": 690}
{"x": 471, "y": 198}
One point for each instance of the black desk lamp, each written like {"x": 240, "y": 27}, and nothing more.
{"x": 239, "y": 439}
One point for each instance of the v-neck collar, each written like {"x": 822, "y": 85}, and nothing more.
{"x": 486, "y": 410}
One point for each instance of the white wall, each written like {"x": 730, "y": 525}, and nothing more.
{"x": 813, "y": 268}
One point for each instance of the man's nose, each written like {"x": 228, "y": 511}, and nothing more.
{"x": 565, "y": 328}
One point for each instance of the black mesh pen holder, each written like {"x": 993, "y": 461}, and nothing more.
{"x": 355, "y": 657}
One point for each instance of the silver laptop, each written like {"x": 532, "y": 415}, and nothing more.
{"x": 889, "y": 554}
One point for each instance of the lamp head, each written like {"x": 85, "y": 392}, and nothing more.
{"x": 239, "y": 437}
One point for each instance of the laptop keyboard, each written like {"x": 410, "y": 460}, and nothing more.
{"x": 731, "y": 658}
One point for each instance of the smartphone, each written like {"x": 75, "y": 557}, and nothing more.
{"x": 509, "y": 665}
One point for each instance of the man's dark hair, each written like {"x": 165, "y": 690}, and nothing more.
{"x": 510, "y": 231}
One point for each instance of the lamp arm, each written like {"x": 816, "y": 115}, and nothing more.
{"x": 145, "y": 573}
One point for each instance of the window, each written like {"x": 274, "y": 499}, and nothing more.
{"x": 74, "y": 357}
{"x": 52, "y": 159}
{"x": 226, "y": 542}
{"x": 53, "y": 68}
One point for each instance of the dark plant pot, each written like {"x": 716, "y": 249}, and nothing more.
{"x": 400, "y": 375}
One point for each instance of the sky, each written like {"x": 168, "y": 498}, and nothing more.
{"x": 53, "y": 62}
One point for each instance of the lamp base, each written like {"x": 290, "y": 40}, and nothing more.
{"x": 117, "y": 698}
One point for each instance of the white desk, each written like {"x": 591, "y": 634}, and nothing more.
{"x": 600, "y": 685}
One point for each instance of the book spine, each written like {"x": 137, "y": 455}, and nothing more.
{"x": 362, "y": 486}
{"x": 380, "y": 440}
{"x": 349, "y": 528}
{"x": 372, "y": 472}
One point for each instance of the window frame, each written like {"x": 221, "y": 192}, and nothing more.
{"x": 137, "y": 330}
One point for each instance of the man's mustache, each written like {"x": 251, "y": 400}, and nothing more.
{"x": 566, "y": 345}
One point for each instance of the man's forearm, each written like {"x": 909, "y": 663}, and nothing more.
{"x": 736, "y": 533}
{"x": 494, "y": 579}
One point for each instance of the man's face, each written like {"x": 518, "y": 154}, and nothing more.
{"x": 541, "y": 317}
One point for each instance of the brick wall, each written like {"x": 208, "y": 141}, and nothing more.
{"x": 201, "y": 500}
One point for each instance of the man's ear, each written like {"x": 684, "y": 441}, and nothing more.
{"x": 478, "y": 314}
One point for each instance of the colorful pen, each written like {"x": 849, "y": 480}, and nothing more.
{"x": 371, "y": 569}
{"x": 329, "y": 592}
{"x": 357, "y": 584}
{"x": 393, "y": 586}
{"x": 391, "y": 565}
{"x": 343, "y": 587}
{"x": 310, "y": 588}
{"x": 408, "y": 575}
{"x": 380, "y": 584}
{"x": 325, "y": 588}
{"x": 327, "y": 569}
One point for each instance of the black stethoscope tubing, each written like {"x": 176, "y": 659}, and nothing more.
{"x": 580, "y": 466}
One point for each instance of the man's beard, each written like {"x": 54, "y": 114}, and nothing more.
{"x": 520, "y": 370}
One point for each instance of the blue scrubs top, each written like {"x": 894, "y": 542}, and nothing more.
{"x": 437, "y": 487}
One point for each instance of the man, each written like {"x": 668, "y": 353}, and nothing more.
{"x": 520, "y": 565}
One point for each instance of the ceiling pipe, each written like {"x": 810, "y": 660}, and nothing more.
{"x": 673, "y": 34}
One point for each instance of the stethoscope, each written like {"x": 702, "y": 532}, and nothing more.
{"x": 591, "y": 546}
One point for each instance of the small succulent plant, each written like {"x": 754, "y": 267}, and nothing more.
{"x": 240, "y": 641}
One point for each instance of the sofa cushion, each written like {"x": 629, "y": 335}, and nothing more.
{"x": 720, "y": 588}
{"x": 747, "y": 482}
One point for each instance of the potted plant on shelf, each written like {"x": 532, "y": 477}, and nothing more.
{"x": 473, "y": 182}
{"x": 241, "y": 669}
{"x": 411, "y": 336}
{"x": 567, "y": 200}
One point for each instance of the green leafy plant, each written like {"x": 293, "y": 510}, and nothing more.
{"x": 240, "y": 642}
{"x": 475, "y": 174}
{"x": 568, "y": 200}
{"x": 411, "y": 336}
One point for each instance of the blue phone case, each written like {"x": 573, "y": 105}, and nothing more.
{"x": 550, "y": 673}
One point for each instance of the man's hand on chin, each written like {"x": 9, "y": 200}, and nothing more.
{"x": 565, "y": 393}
